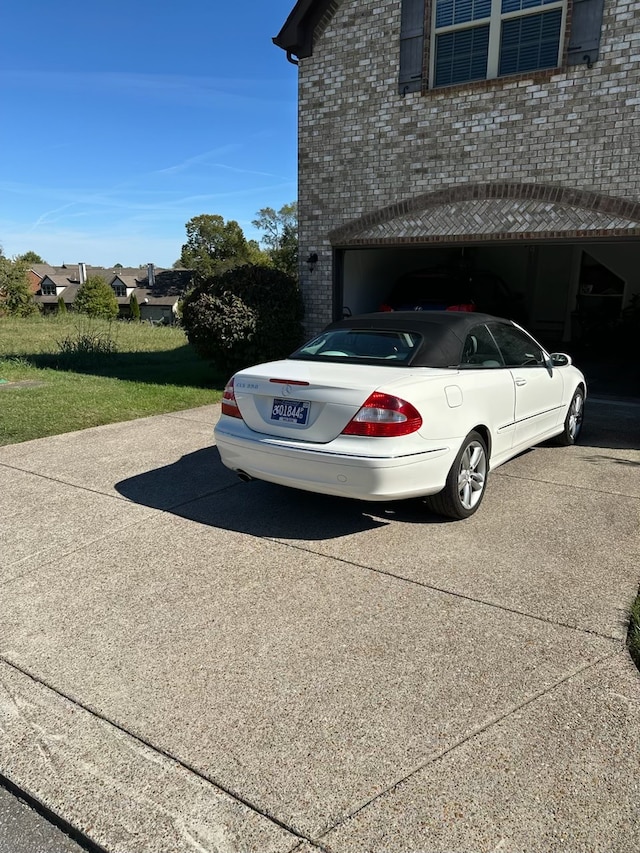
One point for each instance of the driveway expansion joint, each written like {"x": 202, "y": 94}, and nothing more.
{"x": 173, "y": 507}
{"x": 478, "y": 730}
{"x": 493, "y": 604}
{"x": 64, "y": 482}
{"x": 61, "y": 556}
{"x": 573, "y": 486}
{"x": 160, "y": 751}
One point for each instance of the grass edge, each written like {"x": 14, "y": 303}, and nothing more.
{"x": 633, "y": 633}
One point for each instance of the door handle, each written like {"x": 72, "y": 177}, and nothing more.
{"x": 520, "y": 381}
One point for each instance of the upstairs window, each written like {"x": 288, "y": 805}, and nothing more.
{"x": 49, "y": 289}
{"x": 119, "y": 289}
{"x": 469, "y": 40}
{"x": 484, "y": 39}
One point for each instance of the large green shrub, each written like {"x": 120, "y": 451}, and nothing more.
{"x": 244, "y": 316}
{"x": 96, "y": 298}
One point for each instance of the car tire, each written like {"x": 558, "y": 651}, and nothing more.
{"x": 466, "y": 481}
{"x": 573, "y": 420}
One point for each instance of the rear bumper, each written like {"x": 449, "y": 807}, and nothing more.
{"x": 328, "y": 469}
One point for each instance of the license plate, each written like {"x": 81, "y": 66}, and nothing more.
{"x": 290, "y": 411}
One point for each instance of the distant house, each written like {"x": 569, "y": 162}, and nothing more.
{"x": 157, "y": 290}
{"x": 499, "y": 137}
{"x": 36, "y": 273}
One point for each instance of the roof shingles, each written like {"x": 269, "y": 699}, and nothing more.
{"x": 168, "y": 285}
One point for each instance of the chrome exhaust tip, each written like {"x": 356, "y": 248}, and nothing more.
{"x": 246, "y": 478}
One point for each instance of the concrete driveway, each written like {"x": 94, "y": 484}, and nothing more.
{"x": 189, "y": 663}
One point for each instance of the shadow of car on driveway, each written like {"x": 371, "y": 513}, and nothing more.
{"x": 198, "y": 487}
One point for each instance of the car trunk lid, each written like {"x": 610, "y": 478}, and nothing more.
{"x": 313, "y": 401}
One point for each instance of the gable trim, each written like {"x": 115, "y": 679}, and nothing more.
{"x": 296, "y": 36}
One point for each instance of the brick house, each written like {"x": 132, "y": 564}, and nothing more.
{"x": 492, "y": 135}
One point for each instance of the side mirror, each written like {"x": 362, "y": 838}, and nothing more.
{"x": 560, "y": 359}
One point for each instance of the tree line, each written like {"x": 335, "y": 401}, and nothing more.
{"x": 213, "y": 246}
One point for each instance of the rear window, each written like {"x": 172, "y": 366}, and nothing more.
{"x": 361, "y": 345}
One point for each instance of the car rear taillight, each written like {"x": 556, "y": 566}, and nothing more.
{"x": 229, "y": 404}
{"x": 464, "y": 306}
{"x": 385, "y": 307}
{"x": 383, "y": 415}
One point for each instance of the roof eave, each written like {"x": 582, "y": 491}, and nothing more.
{"x": 296, "y": 36}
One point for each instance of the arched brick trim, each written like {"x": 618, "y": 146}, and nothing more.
{"x": 566, "y": 196}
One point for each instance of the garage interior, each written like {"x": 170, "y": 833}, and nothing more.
{"x": 577, "y": 297}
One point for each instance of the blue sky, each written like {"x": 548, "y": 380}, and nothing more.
{"x": 121, "y": 121}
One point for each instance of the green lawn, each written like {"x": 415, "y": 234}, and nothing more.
{"x": 153, "y": 370}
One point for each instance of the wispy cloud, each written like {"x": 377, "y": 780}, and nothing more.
{"x": 198, "y": 159}
{"x": 147, "y": 209}
{"x": 249, "y": 171}
{"x": 205, "y": 160}
{"x": 165, "y": 87}
{"x": 50, "y": 215}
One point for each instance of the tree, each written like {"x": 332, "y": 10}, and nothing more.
{"x": 256, "y": 256}
{"x": 135, "y": 307}
{"x": 280, "y": 236}
{"x": 31, "y": 258}
{"x": 274, "y": 223}
{"x": 285, "y": 257}
{"x": 16, "y": 297}
{"x": 96, "y": 298}
{"x": 62, "y": 308}
{"x": 214, "y": 246}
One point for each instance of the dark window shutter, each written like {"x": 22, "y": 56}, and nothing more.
{"x": 411, "y": 46}
{"x": 586, "y": 26}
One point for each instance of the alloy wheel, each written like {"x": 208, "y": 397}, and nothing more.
{"x": 472, "y": 475}
{"x": 574, "y": 422}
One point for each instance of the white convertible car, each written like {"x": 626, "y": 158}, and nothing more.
{"x": 400, "y": 405}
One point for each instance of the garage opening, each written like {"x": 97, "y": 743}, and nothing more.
{"x": 579, "y": 297}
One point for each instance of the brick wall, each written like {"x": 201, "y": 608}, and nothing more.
{"x": 363, "y": 147}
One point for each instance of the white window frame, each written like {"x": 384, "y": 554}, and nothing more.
{"x": 494, "y": 21}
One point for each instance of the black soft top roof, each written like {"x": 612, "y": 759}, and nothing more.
{"x": 443, "y": 332}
